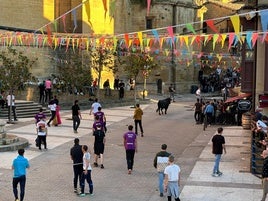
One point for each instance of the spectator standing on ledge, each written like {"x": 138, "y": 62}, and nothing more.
{"x": 42, "y": 88}
{"x": 160, "y": 163}
{"x": 116, "y": 83}
{"x": 121, "y": 90}
{"x": 218, "y": 145}
{"x": 11, "y": 103}
{"x": 48, "y": 87}
{"x": 138, "y": 119}
{"x": 106, "y": 86}
{"x": 19, "y": 166}
{"x": 76, "y": 116}
{"x": 171, "y": 92}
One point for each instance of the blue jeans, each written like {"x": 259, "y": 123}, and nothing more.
{"x": 89, "y": 181}
{"x": 217, "y": 163}
{"x": 22, "y": 181}
{"x": 161, "y": 177}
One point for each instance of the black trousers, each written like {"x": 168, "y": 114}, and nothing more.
{"x": 130, "y": 153}
{"x": 78, "y": 171}
{"x": 138, "y": 122}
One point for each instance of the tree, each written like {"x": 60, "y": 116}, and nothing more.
{"x": 74, "y": 73}
{"x": 15, "y": 69}
{"x": 137, "y": 61}
{"x": 102, "y": 57}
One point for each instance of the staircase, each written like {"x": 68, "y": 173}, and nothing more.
{"x": 24, "y": 109}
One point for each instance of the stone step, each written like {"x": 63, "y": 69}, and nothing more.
{"x": 24, "y": 109}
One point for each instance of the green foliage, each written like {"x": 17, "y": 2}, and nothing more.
{"x": 75, "y": 72}
{"x": 102, "y": 57}
{"x": 137, "y": 62}
{"x": 15, "y": 68}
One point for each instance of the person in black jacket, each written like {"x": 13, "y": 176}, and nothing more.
{"x": 160, "y": 163}
{"x": 265, "y": 174}
{"x": 77, "y": 157}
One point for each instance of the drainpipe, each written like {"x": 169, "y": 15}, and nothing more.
{"x": 173, "y": 64}
{"x": 255, "y": 64}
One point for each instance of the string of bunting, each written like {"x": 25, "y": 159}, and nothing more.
{"x": 149, "y": 39}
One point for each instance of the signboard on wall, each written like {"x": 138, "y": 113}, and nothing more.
{"x": 244, "y": 105}
{"x": 263, "y": 100}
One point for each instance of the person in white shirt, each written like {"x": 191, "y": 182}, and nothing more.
{"x": 11, "y": 103}
{"x": 172, "y": 179}
{"x": 198, "y": 94}
{"x": 94, "y": 107}
{"x": 86, "y": 172}
{"x": 53, "y": 106}
{"x": 41, "y": 128}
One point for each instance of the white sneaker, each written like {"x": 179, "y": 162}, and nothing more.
{"x": 215, "y": 175}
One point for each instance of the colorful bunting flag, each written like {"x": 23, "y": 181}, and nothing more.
{"x": 236, "y": 23}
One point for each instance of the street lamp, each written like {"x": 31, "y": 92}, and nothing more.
{"x": 145, "y": 75}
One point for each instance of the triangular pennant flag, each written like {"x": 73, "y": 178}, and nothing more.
{"x": 264, "y": 19}
{"x": 64, "y": 22}
{"x": 127, "y": 40}
{"x": 215, "y": 39}
{"x": 236, "y": 23}
{"x": 170, "y": 32}
{"x": 254, "y": 38}
{"x": 112, "y": 8}
{"x": 148, "y": 7}
{"x": 104, "y": 2}
{"x": 155, "y": 33}
{"x": 223, "y": 36}
{"x": 161, "y": 43}
{"x": 186, "y": 39}
{"x": 87, "y": 8}
{"x": 140, "y": 38}
{"x": 55, "y": 26}
{"x": 190, "y": 28}
{"x": 74, "y": 19}
{"x": 49, "y": 36}
{"x": 231, "y": 39}
{"x": 211, "y": 25}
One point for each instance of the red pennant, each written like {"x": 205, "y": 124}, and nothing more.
{"x": 211, "y": 25}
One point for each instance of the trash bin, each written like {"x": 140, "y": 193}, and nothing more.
{"x": 246, "y": 120}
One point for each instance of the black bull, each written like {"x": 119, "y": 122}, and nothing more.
{"x": 163, "y": 104}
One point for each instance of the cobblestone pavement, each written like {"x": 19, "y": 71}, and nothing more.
{"x": 50, "y": 176}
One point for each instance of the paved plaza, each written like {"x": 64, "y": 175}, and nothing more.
{"x": 50, "y": 176}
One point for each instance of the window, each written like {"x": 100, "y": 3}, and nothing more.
{"x": 149, "y": 23}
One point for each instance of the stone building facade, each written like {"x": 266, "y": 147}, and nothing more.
{"x": 129, "y": 16}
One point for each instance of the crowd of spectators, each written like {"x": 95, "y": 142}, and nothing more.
{"x": 218, "y": 79}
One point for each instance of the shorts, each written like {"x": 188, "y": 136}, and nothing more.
{"x": 98, "y": 148}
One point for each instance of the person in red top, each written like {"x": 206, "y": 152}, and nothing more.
{"x": 48, "y": 87}
{"x": 130, "y": 143}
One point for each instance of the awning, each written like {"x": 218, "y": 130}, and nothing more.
{"x": 241, "y": 96}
